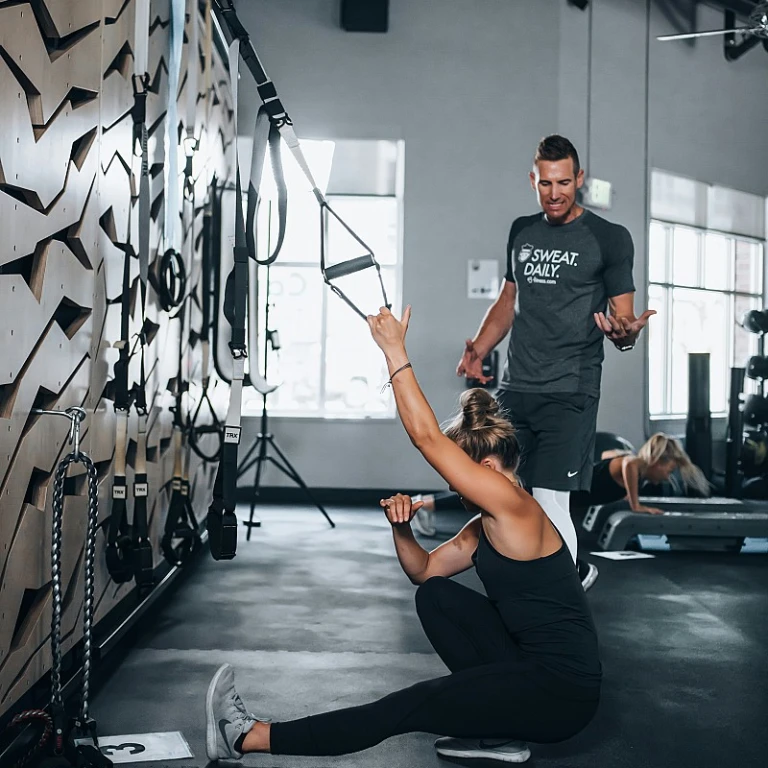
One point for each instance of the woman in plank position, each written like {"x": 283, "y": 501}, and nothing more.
{"x": 618, "y": 473}
{"x": 524, "y": 662}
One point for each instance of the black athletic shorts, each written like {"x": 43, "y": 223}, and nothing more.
{"x": 556, "y": 432}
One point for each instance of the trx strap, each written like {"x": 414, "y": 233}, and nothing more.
{"x": 266, "y": 137}
{"x": 194, "y": 431}
{"x": 143, "y": 564}
{"x": 265, "y": 134}
{"x": 119, "y": 551}
{"x": 191, "y": 141}
{"x": 129, "y": 551}
{"x": 284, "y": 124}
{"x": 119, "y": 542}
{"x": 181, "y": 537}
{"x": 170, "y": 271}
{"x": 221, "y": 520}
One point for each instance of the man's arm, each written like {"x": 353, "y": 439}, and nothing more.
{"x": 497, "y": 321}
{"x": 621, "y": 326}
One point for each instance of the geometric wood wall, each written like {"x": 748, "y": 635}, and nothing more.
{"x": 67, "y": 184}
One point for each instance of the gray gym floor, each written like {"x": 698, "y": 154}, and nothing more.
{"x": 314, "y": 618}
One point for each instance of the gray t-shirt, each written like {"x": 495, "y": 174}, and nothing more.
{"x": 564, "y": 274}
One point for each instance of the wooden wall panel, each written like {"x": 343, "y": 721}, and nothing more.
{"x": 68, "y": 180}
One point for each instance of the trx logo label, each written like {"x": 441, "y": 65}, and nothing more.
{"x": 118, "y": 491}
{"x": 140, "y": 489}
{"x": 231, "y": 434}
{"x": 545, "y": 266}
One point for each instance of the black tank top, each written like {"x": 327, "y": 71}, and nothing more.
{"x": 543, "y": 606}
{"x": 604, "y": 488}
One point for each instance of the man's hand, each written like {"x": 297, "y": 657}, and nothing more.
{"x": 471, "y": 364}
{"x": 622, "y": 331}
{"x": 388, "y": 332}
{"x": 400, "y": 508}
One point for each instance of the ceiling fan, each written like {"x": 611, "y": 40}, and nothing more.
{"x": 758, "y": 27}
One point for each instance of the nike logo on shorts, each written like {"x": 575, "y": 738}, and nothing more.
{"x": 573, "y": 474}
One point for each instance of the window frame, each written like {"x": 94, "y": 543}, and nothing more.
{"x": 396, "y": 270}
{"x": 668, "y": 286}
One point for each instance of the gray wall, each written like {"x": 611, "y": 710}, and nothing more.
{"x": 470, "y": 87}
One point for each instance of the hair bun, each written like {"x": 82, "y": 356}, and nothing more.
{"x": 477, "y": 406}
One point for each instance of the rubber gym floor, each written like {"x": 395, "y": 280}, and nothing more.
{"x": 314, "y": 618}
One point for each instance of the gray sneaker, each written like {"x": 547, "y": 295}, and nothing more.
{"x": 487, "y": 749}
{"x": 226, "y": 716}
{"x": 423, "y": 521}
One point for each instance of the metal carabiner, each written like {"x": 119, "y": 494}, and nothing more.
{"x": 75, "y": 414}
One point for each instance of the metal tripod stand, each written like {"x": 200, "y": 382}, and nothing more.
{"x": 265, "y": 439}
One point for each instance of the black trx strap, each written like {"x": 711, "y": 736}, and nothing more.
{"x": 265, "y": 134}
{"x": 215, "y": 427}
{"x": 143, "y": 564}
{"x": 119, "y": 552}
{"x": 221, "y": 520}
{"x": 181, "y": 536}
{"x": 284, "y": 124}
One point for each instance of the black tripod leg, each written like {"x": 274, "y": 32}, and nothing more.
{"x": 248, "y": 460}
{"x": 295, "y": 476}
{"x": 258, "y": 461}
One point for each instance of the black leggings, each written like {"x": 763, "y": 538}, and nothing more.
{"x": 492, "y": 691}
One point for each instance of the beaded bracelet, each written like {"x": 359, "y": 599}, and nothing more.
{"x": 389, "y": 383}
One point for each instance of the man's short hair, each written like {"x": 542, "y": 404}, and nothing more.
{"x": 555, "y": 148}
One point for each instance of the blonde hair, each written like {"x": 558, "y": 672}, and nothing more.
{"x": 662, "y": 447}
{"x": 480, "y": 429}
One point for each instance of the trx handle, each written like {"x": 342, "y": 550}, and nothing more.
{"x": 349, "y": 267}
{"x": 181, "y": 538}
{"x": 170, "y": 279}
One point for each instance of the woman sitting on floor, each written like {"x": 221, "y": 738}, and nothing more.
{"x": 524, "y": 662}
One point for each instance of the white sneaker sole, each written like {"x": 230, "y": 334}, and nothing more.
{"x": 486, "y": 754}
{"x": 211, "y": 736}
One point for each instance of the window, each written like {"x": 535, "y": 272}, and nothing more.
{"x": 705, "y": 271}
{"x": 327, "y": 364}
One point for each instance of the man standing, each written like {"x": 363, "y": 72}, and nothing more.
{"x": 565, "y": 266}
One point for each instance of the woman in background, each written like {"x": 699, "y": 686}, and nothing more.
{"x": 618, "y": 473}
